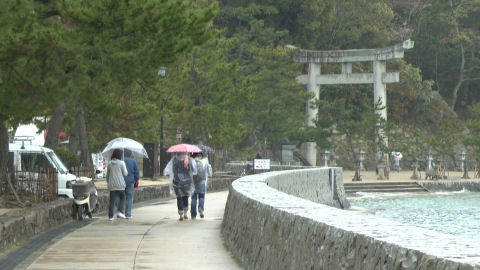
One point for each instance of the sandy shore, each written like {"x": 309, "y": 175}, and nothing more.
{"x": 102, "y": 184}
{"x": 369, "y": 176}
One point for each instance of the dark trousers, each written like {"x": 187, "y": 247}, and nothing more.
{"x": 129, "y": 193}
{"x": 182, "y": 204}
{"x": 201, "y": 203}
{"x": 118, "y": 197}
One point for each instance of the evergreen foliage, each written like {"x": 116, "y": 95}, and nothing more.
{"x": 230, "y": 82}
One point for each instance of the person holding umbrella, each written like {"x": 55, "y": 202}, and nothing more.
{"x": 204, "y": 170}
{"x": 131, "y": 181}
{"x": 116, "y": 171}
{"x": 132, "y": 149}
{"x": 181, "y": 169}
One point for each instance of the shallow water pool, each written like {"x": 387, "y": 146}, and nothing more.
{"x": 456, "y": 213}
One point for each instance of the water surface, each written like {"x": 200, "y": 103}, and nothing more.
{"x": 456, "y": 213}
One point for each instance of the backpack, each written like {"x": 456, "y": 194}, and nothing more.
{"x": 200, "y": 172}
{"x": 181, "y": 175}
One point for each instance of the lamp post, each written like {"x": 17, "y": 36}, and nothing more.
{"x": 161, "y": 72}
{"x": 326, "y": 157}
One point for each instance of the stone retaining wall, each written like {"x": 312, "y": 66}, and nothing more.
{"x": 268, "y": 229}
{"x": 26, "y": 223}
{"x": 459, "y": 185}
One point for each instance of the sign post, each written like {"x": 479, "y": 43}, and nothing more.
{"x": 261, "y": 164}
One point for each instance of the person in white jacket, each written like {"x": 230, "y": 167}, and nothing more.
{"x": 204, "y": 170}
{"x": 181, "y": 170}
{"x": 116, "y": 171}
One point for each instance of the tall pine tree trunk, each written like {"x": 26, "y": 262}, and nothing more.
{"x": 85, "y": 157}
{"x": 73, "y": 139}
{"x": 461, "y": 76}
{"x": 55, "y": 124}
{"x": 3, "y": 155}
{"x": 196, "y": 81}
{"x": 5, "y": 182}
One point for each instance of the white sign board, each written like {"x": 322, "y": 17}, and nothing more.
{"x": 261, "y": 164}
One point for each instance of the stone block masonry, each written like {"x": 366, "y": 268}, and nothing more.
{"x": 268, "y": 229}
{"x": 434, "y": 186}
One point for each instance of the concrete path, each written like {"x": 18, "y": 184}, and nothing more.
{"x": 153, "y": 239}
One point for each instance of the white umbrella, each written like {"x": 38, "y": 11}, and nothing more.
{"x": 125, "y": 143}
{"x": 397, "y": 154}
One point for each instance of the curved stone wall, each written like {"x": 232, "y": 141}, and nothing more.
{"x": 268, "y": 229}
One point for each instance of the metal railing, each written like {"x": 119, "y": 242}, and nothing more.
{"x": 83, "y": 172}
{"x": 36, "y": 186}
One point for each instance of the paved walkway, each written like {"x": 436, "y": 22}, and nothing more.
{"x": 153, "y": 239}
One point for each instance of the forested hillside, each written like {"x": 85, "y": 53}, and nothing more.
{"x": 92, "y": 68}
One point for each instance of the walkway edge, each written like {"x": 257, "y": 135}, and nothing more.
{"x": 41, "y": 218}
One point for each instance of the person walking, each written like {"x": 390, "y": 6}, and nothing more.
{"x": 131, "y": 181}
{"x": 182, "y": 168}
{"x": 116, "y": 171}
{"x": 204, "y": 170}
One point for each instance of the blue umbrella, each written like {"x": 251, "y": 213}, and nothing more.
{"x": 206, "y": 149}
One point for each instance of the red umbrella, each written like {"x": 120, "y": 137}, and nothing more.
{"x": 186, "y": 148}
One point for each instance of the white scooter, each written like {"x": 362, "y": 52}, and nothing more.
{"x": 85, "y": 198}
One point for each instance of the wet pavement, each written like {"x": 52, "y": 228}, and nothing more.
{"x": 153, "y": 239}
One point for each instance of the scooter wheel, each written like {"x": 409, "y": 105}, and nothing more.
{"x": 74, "y": 211}
{"x": 80, "y": 212}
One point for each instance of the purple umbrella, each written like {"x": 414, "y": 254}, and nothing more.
{"x": 206, "y": 149}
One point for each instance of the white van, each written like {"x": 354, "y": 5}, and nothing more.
{"x": 31, "y": 157}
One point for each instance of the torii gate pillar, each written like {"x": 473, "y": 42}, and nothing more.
{"x": 379, "y": 78}
{"x": 310, "y": 148}
{"x": 380, "y": 96}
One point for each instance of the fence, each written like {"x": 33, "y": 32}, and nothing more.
{"x": 83, "y": 171}
{"x": 36, "y": 186}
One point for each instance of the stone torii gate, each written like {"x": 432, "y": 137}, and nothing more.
{"x": 379, "y": 78}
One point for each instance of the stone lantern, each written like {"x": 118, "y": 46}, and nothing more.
{"x": 429, "y": 160}
{"x": 360, "y": 157}
{"x": 326, "y": 157}
{"x": 415, "y": 165}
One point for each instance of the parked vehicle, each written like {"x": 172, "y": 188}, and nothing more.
{"x": 31, "y": 158}
{"x": 85, "y": 198}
